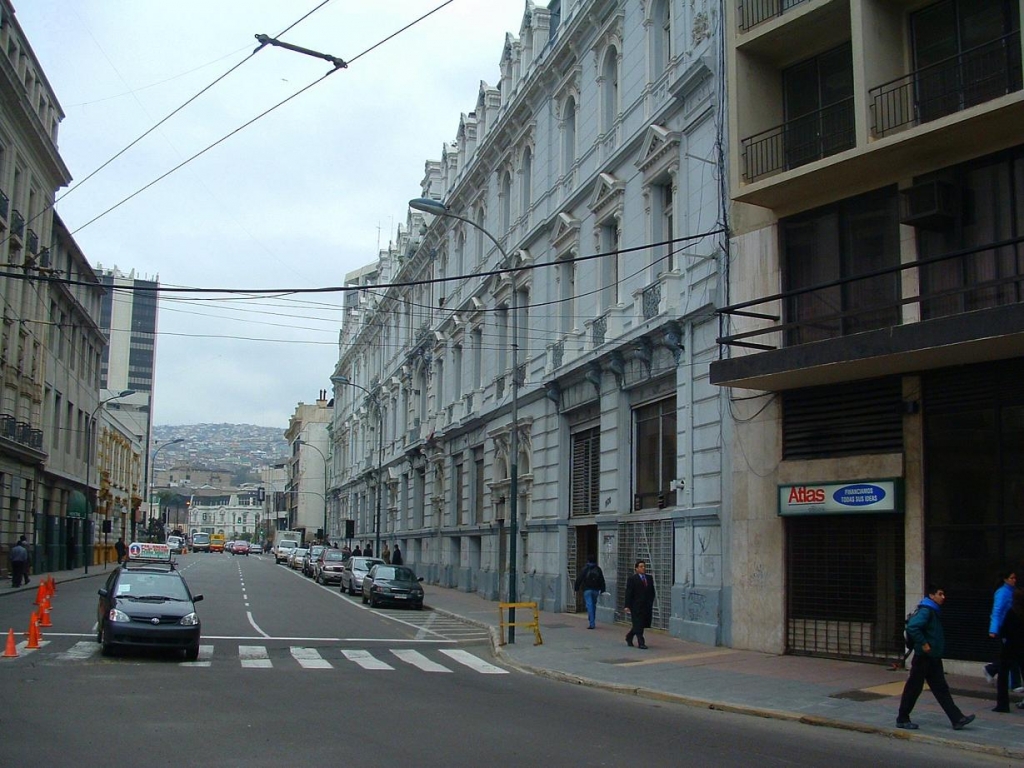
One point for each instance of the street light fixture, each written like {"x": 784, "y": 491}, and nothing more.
{"x": 300, "y": 443}
{"x": 90, "y": 437}
{"x": 152, "y": 471}
{"x": 437, "y": 208}
{"x": 380, "y": 452}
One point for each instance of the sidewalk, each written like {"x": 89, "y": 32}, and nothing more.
{"x": 823, "y": 692}
{"x": 836, "y": 694}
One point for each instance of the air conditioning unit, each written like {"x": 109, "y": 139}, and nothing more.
{"x": 931, "y": 205}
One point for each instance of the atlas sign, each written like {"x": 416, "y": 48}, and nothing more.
{"x": 865, "y": 496}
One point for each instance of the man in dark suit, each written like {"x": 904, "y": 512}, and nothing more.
{"x": 639, "y": 603}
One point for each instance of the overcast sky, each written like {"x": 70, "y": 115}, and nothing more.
{"x": 296, "y": 200}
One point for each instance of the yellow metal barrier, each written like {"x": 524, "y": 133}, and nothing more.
{"x": 534, "y": 625}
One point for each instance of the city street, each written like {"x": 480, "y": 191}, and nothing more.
{"x": 290, "y": 671}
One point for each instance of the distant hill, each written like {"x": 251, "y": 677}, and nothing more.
{"x": 239, "y": 448}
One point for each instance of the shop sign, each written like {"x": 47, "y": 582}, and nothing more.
{"x": 864, "y": 497}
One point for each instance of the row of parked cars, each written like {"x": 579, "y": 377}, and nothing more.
{"x": 370, "y": 578}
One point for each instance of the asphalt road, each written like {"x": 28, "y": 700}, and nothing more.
{"x": 293, "y": 673}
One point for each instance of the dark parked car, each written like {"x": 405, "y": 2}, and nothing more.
{"x": 393, "y": 584}
{"x": 355, "y": 569}
{"x": 329, "y": 566}
{"x": 146, "y": 602}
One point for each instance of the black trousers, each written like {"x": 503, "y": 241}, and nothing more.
{"x": 637, "y": 630}
{"x": 19, "y": 573}
{"x": 926, "y": 669}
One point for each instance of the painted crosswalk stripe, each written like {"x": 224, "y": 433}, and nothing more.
{"x": 310, "y": 658}
{"x": 418, "y": 660}
{"x": 204, "y": 660}
{"x": 80, "y": 651}
{"x": 471, "y": 661}
{"x": 366, "y": 660}
{"x": 254, "y": 656}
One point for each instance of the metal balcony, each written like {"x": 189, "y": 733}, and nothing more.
{"x": 810, "y": 137}
{"x": 973, "y": 77}
{"x": 750, "y": 13}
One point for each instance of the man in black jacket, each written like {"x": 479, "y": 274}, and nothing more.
{"x": 639, "y": 603}
{"x": 591, "y": 581}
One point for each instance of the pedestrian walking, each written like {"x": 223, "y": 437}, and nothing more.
{"x": 591, "y": 581}
{"x": 19, "y": 563}
{"x": 924, "y": 628}
{"x": 120, "y": 549}
{"x": 357, "y": 552}
{"x": 396, "y": 556}
{"x": 385, "y": 554}
{"x": 1001, "y": 601}
{"x": 639, "y": 603}
{"x": 368, "y": 550}
{"x": 1011, "y": 655}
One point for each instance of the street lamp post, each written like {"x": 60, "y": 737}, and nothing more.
{"x": 310, "y": 445}
{"x": 380, "y": 453}
{"x": 90, "y": 438}
{"x": 437, "y": 208}
{"x": 150, "y": 479}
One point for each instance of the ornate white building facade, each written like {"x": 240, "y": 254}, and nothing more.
{"x": 596, "y": 163}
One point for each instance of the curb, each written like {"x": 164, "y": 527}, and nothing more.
{"x": 60, "y": 580}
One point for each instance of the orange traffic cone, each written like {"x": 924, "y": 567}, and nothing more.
{"x": 33, "y": 633}
{"x": 44, "y": 614}
{"x": 11, "y": 650}
{"x": 40, "y": 593}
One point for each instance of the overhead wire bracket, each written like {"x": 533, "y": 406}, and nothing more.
{"x": 267, "y": 40}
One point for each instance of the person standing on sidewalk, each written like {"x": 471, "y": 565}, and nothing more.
{"x": 639, "y": 603}
{"x": 1001, "y": 601}
{"x": 591, "y": 581}
{"x": 396, "y": 556}
{"x": 19, "y": 563}
{"x": 119, "y": 548}
{"x": 924, "y": 628}
{"x": 1011, "y": 632}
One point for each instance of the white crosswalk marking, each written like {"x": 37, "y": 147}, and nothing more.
{"x": 366, "y": 660}
{"x": 204, "y": 660}
{"x": 310, "y": 658}
{"x": 418, "y": 660}
{"x": 254, "y": 656}
{"x": 80, "y": 651}
{"x": 471, "y": 661}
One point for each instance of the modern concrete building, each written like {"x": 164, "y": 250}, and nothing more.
{"x": 873, "y": 338}
{"x": 595, "y": 162}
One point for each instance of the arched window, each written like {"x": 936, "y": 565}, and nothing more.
{"x": 460, "y": 254}
{"x": 526, "y": 191}
{"x": 505, "y": 202}
{"x": 481, "y": 222}
{"x": 609, "y": 89}
{"x": 568, "y": 134}
{"x": 661, "y": 36}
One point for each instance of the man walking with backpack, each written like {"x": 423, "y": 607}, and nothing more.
{"x": 925, "y": 630}
{"x": 591, "y": 580}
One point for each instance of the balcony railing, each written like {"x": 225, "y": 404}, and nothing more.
{"x": 32, "y": 241}
{"x": 970, "y": 78}
{"x": 792, "y": 331}
{"x": 5, "y": 206}
{"x": 811, "y": 137}
{"x": 20, "y": 432}
{"x": 753, "y": 12}
{"x": 17, "y": 224}
{"x": 651, "y": 300}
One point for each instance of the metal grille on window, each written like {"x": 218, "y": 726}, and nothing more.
{"x": 845, "y": 595}
{"x": 585, "y": 473}
{"x": 572, "y": 567}
{"x": 652, "y": 541}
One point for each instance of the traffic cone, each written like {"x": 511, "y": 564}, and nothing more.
{"x": 11, "y": 650}
{"x": 33, "y": 633}
{"x": 40, "y": 593}
{"x": 44, "y": 614}
{"x": 51, "y": 586}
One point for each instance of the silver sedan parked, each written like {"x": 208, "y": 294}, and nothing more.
{"x": 356, "y": 569}
{"x": 295, "y": 558}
